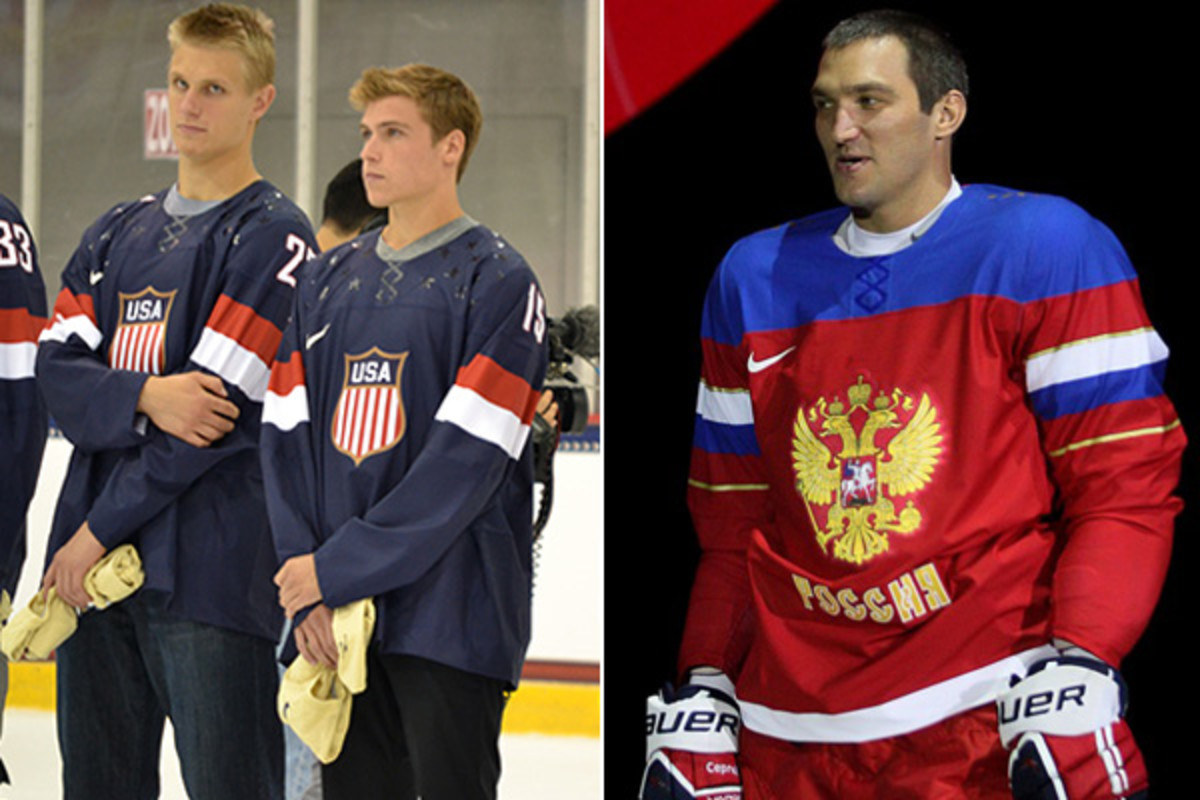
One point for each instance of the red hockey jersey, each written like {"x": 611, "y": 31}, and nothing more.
{"x": 911, "y": 472}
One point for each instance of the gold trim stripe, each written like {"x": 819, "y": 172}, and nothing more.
{"x": 729, "y": 487}
{"x": 1113, "y": 437}
{"x": 1087, "y": 339}
{"x": 724, "y": 389}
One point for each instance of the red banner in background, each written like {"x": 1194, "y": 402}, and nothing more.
{"x": 651, "y": 46}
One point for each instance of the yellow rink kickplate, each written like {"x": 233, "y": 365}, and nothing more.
{"x": 549, "y": 707}
{"x": 31, "y": 685}
{"x": 561, "y": 709}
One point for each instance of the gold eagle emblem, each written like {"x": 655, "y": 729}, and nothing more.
{"x": 859, "y": 482}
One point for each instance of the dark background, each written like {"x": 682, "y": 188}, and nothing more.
{"x": 1062, "y": 101}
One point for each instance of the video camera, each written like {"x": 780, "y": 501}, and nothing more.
{"x": 577, "y": 333}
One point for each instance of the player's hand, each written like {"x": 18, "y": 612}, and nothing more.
{"x": 70, "y": 564}
{"x": 1063, "y": 723}
{"x": 297, "y": 582}
{"x": 314, "y": 637}
{"x": 691, "y": 745}
{"x": 192, "y": 406}
{"x": 547, "y": 409}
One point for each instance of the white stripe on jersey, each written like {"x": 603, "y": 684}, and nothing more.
{"x": 483, "y": 419}
{"x": 726, "y": 406}
{"x": 286, "y": 411}
{"x": 17, "y": 360}
{"x": 896, "y": 717}
{"x": 79, "y": 325}
{"x": 1094, "y": 356}
{"x": 237, "y": 365}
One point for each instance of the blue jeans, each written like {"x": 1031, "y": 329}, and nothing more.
{"x": 302, "y": 771}
{"x": 129, "y": 667}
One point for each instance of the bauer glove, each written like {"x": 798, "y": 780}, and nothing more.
{"x": 1063, "y": 723}
{"x": 691, "y": 745}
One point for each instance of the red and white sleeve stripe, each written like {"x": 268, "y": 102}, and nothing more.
{"x": 286, "y": 402}
{"x": 238, "y": 345}
{"x": 491, "y": 403}
{"x": 18, "y": 342}
{"x": 73, "y": 314}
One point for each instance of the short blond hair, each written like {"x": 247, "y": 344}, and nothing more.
{"x": 445, "y": 101}
{"x": 246, "y": 30}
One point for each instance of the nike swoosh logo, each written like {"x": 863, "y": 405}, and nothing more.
{"x": 95, "y": 277}
{"x": 316, "y": 337}
{"x": 759, "y": 366}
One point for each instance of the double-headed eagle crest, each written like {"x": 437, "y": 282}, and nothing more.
{"x": 864, "y": 477}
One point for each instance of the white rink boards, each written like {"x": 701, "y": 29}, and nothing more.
{"x": 566, "y": 602}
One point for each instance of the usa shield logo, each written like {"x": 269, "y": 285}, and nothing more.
{"x": 139, "y": 343}
{"x": 369, "y": 415}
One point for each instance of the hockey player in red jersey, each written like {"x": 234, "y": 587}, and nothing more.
{"x": 155, "y": 366}
{"x": 930, "y": 435}
{"x": 397, "y": 457}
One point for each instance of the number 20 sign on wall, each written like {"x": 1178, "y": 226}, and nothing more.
{"x": 156, "y": 128}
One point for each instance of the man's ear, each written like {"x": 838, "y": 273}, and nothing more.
{"x": 949, "y": 113}
{"x": 453, "y": 145}
{"x": 262, "y": 101}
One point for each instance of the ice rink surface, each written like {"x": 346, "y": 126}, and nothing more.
{"x": 535, "y": 767}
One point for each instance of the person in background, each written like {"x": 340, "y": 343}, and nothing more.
{"x": 346, "y": 212}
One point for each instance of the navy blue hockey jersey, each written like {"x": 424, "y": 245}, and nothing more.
{"x": 149, "y": 292}
{"x": 22, "y": 413}
{"x": 395, "y": 441}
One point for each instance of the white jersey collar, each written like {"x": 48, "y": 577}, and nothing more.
{"x": 861, "y": 243}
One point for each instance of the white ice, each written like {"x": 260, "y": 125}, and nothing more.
{"x": 535, "y": 767}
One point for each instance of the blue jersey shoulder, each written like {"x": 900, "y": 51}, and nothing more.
{"x": 110, "y": 223}
{"x": 1058, "y": 246}
{"x": 262, "y": 205}
{"x": 992, "y": 241}
{"x": 494, "y": 257}
{"x": 1045, "y": 217}
{"x": 315, "y": 275}
{"x": 9, "y": 210}
{"x": 761, "y": 249}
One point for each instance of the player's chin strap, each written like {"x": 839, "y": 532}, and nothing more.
{"x": 1063, "y": 722}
